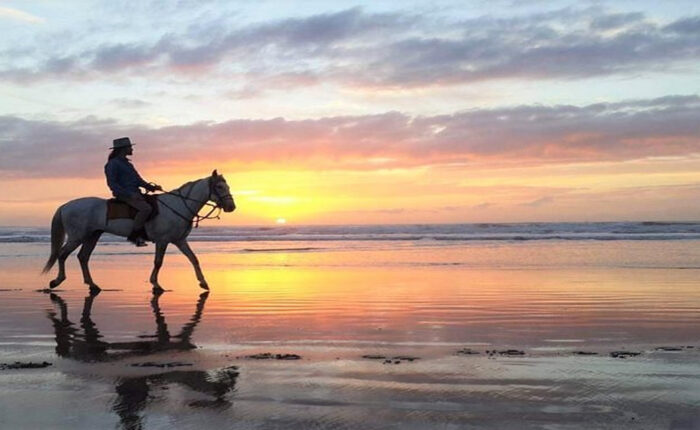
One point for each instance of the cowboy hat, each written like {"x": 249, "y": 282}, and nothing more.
{"x": 122, "y": 142}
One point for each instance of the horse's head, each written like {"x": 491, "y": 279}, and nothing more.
{"x": 220, "y": 193}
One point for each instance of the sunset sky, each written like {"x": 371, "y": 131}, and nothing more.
{"x": 367, "y": 112}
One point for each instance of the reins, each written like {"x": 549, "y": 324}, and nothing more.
{"x": 194, "y": 215}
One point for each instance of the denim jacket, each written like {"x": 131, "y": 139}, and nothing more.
{"x": 123, "y": 179}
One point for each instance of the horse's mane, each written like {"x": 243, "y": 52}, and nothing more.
{"x": 187, "y": 184}
{"x": 184, "y": 185}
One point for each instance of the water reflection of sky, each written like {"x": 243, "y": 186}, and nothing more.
{"x": 332, "y": 312}
{"x": 340, "y": 296}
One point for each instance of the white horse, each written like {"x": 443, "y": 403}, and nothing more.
{"x": 84, "y": 220}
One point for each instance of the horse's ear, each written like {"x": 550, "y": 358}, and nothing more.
{"x": 214, "y": 173}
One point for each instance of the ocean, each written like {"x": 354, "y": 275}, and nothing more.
{"x": 417, "y": 232}
{"x": 672, "y": 245}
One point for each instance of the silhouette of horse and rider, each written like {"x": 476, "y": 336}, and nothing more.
{"x": 86, "y": 344}
{"x": 169, "y": 219}
{"x": 163, "y": 219}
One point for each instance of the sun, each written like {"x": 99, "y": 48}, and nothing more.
{"x": 281, "y": 221}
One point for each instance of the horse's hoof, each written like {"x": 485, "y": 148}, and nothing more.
{"x": 157, "y": 290}
{"x": 94, "y": 289}
{"x": 204, "y": 285}
{"x": 53, "y": 284}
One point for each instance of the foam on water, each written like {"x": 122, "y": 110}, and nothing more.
{"x": 417, "y": 232}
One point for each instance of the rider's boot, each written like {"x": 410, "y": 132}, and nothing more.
{"x": 136, "y": 237}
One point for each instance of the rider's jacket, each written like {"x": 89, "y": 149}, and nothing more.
{"x": 123, "y": 179}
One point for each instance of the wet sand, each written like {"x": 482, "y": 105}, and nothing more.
{"x": 539, "y": 335}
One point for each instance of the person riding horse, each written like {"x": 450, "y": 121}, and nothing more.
{"x": 124, "y": 181}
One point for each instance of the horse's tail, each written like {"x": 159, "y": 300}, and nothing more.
{"x": 58, "y": 233}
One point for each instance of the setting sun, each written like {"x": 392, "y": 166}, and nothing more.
{"x": 281, "y": 221}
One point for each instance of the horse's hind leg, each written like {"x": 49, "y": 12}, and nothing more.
{"x": 157, "y": 263}
{"x": 65, "y": 251}
{"x": 84, "y": 258}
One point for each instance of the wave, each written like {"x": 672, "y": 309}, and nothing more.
{"x": 23, "y": 239}
{"x": 424, "y": 233}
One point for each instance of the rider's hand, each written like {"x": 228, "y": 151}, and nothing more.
{"x": 157, "y": 187}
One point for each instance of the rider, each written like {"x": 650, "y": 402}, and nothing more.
{"x": 124, "y": 182}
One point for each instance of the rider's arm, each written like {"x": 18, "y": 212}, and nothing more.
{"x": 142, "y": 183}
{"x": 146, "y": 185}
{"x": 150, "y": 186}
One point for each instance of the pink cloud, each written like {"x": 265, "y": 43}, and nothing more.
{"x": 525, "y": 134}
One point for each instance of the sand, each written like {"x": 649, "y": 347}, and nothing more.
{"x": 344, "y": 339}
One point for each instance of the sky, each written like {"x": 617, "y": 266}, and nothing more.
{"x": 321, "y": 112}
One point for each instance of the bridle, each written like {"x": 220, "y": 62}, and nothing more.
{"x": 194, "y": 216}
{"x": 212, "y": 189}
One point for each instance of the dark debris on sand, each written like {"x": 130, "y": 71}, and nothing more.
{"x": 506, "y": 352}
{"x": 391, "y": 360}
{"x": 491, "y": 353}
{"x": 161, "y": 365}
{"x": 624, "y": 354}
{"x": 672, "y": 348}
{"x": 406, "y": 358}
{"x": 271, "y": 356}
{"x": 518, "y": 353}
{"x": 27, "y": 365}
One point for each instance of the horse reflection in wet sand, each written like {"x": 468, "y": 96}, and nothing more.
{"x": 134, "y": 393}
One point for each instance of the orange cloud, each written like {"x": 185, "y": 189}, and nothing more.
{"x": 528, "y": 135}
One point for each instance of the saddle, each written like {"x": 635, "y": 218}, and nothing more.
{"x": 117, "y": 209}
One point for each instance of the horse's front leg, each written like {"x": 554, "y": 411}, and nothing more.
{"x": 185, "y": 248}
{"x": 160, "y": 253}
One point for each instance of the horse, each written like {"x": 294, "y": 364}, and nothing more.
{"x": 82, "y": 221}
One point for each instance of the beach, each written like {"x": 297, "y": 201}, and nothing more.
{"x": 408, "y": 215}
{"x": 548, "y": 326}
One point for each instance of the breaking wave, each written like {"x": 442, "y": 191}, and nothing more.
{"x": 445, "y": 233}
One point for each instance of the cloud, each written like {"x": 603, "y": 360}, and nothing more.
{"x": 685, "y": 26}
{"x": 354, "y": 47}
{"x": 539, "y": 202}
{"x": 665, "y": 126}
{"x": 555, "y": 45}
{"x": 18, "y": 15}
{"x": 52, "y": 149}
{"x": 615, "y": 20}
{"x": 289, "y": 40}
{"x": 484, "y": 205}
{"x": 129, "y": 103}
